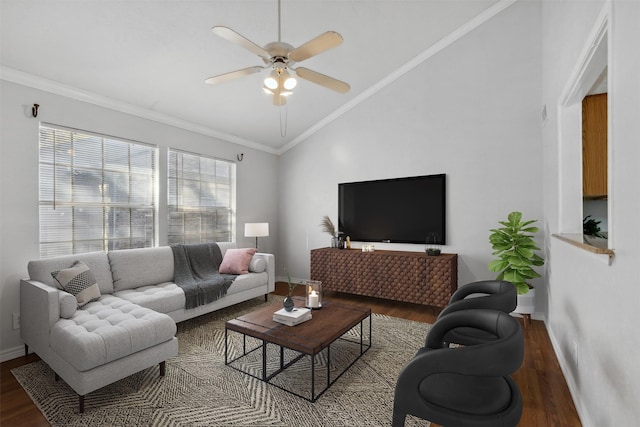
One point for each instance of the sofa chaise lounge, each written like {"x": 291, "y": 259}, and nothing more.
{"x": 131, "y": 326}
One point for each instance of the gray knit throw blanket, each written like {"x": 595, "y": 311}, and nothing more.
{"x": 196, "y": 272}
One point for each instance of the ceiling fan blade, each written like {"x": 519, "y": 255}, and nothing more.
{"x": 322, "y": 80}
{"x": 233, "y": 37}
{"x": 233, "y": 75}
{"x": 318, "y": 45}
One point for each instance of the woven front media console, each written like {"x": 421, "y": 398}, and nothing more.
{"x": 402, "y": 276}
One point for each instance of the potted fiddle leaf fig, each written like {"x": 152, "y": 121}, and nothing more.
{"x": 515, "y": 252}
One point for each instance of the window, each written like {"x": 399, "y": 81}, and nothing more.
{"x": 201, "y": 201}
{"x": 97, "y": 193}
{"x": 595, "y": 164}
{"x": 584, "y": 165}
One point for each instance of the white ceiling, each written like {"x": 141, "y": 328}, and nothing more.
{"x": 155, "y": 55}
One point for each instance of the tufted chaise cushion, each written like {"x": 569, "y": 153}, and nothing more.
{"x": 107, "y": 330}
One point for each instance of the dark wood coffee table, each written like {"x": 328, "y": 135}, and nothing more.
{"x": 310, "y": 338}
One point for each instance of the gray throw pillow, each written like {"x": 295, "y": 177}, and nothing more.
{"x": 79, "y": 282}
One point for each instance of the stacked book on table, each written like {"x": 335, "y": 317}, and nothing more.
{"x": 292, "y": 318}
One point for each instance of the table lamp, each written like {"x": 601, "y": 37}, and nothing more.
{"x": 256, "y": 229}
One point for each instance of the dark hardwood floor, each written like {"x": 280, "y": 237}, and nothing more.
{"x": 547, "y": 401}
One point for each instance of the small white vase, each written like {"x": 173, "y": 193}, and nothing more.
{"x": 526, "y": 302}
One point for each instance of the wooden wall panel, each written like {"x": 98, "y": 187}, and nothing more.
{"x": 594, "y": 146}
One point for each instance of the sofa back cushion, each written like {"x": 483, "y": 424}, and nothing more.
{"x": 132, "y": 268}
{"x": 226, "y": 245}
{"x": 97, "y": 262}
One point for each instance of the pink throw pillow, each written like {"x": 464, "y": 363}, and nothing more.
{"x": 236, "y": 261}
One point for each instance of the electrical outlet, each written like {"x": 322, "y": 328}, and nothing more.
{"x": 16, "y": 320}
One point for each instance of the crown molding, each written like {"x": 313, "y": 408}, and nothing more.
{"x": 404, "y": 69}
{"x": 25, "y": 79}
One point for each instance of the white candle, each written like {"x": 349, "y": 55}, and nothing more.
{"x": 313, "y": 299}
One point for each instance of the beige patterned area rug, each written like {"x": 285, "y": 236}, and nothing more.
{"x": 200, "y": 390}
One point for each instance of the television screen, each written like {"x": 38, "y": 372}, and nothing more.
{"x": 400, "y": 210}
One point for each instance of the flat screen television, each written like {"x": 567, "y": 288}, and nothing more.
{"x": 399, "y": 210}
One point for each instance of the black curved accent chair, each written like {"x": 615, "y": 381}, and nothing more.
{"x": 464, "y": 386}
{"x": 497, "y": 295}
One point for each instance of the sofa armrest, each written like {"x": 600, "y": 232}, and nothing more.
{"x": 271, "y": 269}
{"x": 39, "y": 310}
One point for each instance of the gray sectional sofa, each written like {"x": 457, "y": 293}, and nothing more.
{"x": 131, "y": 326}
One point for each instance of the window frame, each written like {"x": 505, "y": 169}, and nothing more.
{"x": 595, "y": 57}
{"x": 205, "y": 215}
{"x": 60, "y": 190}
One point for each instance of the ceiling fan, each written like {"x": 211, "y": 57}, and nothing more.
{"x": 281, "y": 57}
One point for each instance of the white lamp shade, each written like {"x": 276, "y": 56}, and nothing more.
{"x": 256, "y": 229}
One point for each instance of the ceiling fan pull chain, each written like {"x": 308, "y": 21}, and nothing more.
{"x": 283, "y": 131}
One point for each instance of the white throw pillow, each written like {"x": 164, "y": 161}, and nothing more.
{"x": 257, "y": 265}
{"x": 68, "y": 304}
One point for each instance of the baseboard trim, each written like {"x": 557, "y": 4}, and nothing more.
{"x": 534, "y": 316}
{"x": 11, "y": 353}
{"x": 569, "y": 378}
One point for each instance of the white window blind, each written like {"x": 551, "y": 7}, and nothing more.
{"x": 201, "y": 198}
{"x": 96, "y": 192}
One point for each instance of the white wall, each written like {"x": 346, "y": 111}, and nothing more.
{"x": 256, "y": 180}
{"x": 593, "y": 305}
{"x": 471, "y": 111}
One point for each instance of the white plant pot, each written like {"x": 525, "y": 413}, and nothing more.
{"x": 526, "y": 303}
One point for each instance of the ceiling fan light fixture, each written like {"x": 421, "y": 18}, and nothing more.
{"x": 271, "y": 81}
{"x": 290, "y": 82}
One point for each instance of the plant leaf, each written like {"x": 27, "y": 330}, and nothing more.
{"x": 518, "y": 261}
{"x": 514, "y": 276}
{"x": 327, "y": 225}
{"x": 537, "y": 260}
{"x": 522, "y": 288}
{"x": 525, "y": 252}
{"x": 497, "y": 265}
{"x": 514, "y": 218}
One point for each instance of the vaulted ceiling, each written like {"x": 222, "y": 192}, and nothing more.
{"x": 154, "y": 56}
